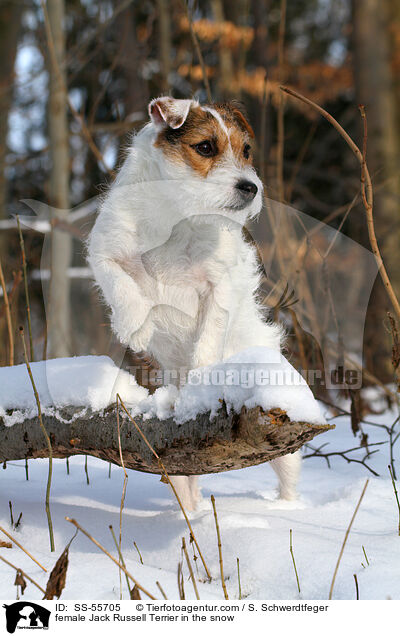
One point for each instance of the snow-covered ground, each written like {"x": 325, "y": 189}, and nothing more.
{"x": 254, "y": 527}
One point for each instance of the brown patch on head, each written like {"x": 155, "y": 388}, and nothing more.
{"x": 232, "y": 113}
{"x": 201, "y": 142}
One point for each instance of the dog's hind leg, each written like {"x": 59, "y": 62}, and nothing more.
{"x": 287, "y": 469}
{"x": 187, "y": 489}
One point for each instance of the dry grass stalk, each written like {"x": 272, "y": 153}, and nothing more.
{"x": 239, "y": 585}
{"x": 121, "y": 558}
{"x": 161, "y": 590}
{"x": 221, "y": 564}
{"x": 123, "y": 488}
{"x": 366, "y": 188}
{"x": 23, "y": 549}
{"x": 138, "y": 551}
{"x": 28, "y": 306}
{"x": 170, "y": 483}
{"x": 294, "y": 562}
{"x": 181, "y": 585}
{"x": 357, "y": 590}
{"x": 8, "y": 319}
{"x": 86, "y": 471}
{"x": 123, "y": 568}
{"x": 395, "y": 493}
{"x": 365, "y": 554}
{"x": 23, "y": 573}
{"x": 345, "y": 539}
{"x": 50, "y": 472}
{"x": 190, "y": 568}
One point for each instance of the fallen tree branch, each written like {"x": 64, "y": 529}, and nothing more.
{"x": 227, "y": 442}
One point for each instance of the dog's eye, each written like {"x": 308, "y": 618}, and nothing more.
{"x": 206, "y": 148}
{"x": 246, "y": 151}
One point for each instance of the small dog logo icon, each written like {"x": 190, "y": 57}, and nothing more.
{"x": 26, "y": 615}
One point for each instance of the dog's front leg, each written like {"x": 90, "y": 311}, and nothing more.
{"x": 131, "y": 310}
{"x": 209, "y": 347}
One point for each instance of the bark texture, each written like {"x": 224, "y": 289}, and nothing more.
{"x": 197, "y": 447}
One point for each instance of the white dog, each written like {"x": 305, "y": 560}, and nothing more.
{"x": 168, "y": 254}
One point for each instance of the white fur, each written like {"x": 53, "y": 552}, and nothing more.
{"x": 167, "y": 251}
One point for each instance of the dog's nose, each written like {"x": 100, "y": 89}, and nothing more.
{"x": 248, "y": 189}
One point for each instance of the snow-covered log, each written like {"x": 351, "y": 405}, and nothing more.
{"x": 203, "y": 445}
{"x": 203, "y": 427}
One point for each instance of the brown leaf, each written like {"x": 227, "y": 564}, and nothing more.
{"x": 5, "y": 544}
{"x": 19, "y": 580}
{"x": 135, "y": 593}
{"x": 58, "y": 575}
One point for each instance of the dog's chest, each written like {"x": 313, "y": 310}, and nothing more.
{"x": 194, "y": 257}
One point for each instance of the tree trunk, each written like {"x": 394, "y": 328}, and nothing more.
{"x": 375, "y": 89}
{"x": 197, "y": 447}
{"x": 10, "y": 21}
{"x": 225, "y": 74}
{"x": 58, "y": 310}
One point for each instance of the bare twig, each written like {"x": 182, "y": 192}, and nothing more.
{"x": 170, "y": 483}
{"x": 190, "y": 568}
{"x": 26, "y": 576}
{"x": 317, "y": 453}
{"x": 8, "y": 318}
{"x": 93, "y": 540}
{"x": 366, "y": 188}
{"x": 50, "y": 450}
{"x": 221, "y": 564}
{"x": 281, "y": 106}
{"x": 22, "y": 548}
{"x": 345, "y": 539}
{"x": 198, "y": 50}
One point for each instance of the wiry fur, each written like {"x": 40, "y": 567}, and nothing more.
{"x": 167, "y": 250}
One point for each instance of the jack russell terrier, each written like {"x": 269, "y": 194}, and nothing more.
{"x": 168, "y": 254}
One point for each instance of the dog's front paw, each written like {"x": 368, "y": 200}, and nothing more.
{"x": 139, "y": 341}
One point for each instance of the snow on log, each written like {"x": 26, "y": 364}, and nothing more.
{"x": 247, "y": 410}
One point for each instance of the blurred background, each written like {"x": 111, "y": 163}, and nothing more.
{"x": 75, "y": 80}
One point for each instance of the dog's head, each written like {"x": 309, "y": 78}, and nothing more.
{"x": 208, "y": 149}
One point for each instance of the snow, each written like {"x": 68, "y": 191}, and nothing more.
{"x": 87, "y": 381}
{"x": 256, "y": 376}
{"x": 254, "y": 526}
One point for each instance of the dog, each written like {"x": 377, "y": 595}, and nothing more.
{"x": 168, "y": 253}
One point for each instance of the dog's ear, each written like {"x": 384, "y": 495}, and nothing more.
{"x": 242, "y": 121}
{"x": 167, "y": 111}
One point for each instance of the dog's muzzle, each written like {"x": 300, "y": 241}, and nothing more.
{"x": 247, "y": 190}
